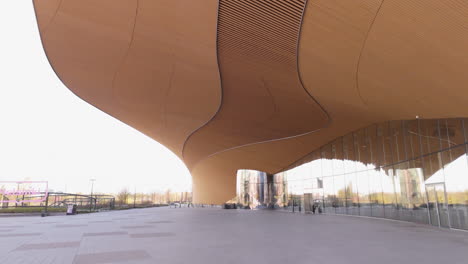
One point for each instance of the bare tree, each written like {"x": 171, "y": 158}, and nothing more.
{"x": 123, "y": 195}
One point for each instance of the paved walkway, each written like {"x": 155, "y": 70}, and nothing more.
{"x": 206, "y": 235}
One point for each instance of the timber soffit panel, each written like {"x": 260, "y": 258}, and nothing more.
{"x": 144, "y": 62}
{"x": 365, "y": 61}
{"x": 263, "y": 97}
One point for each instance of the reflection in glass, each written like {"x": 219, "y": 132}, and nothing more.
{"x": 388, "y": 193}
{"x": 432, "y": 203}
{"x": 365, "y": 207}
{"x": 412, "y": 139}
{"x": 456, "y": 183}
{"x": 451, "y": 133}
{"x": 413, "y": 205}
{"x": 438, "y": 209}
{"x": 397, "y": 142}
{"x": 327, "y": 163}
{"x": 387, "y": 157}
{"x": 430, "y": 136}
{"x": 340, "y": 192}
{"x": 407, "y": 170}
{"x": 376, "y": 195}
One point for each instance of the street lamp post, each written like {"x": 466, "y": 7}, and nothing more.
{"x": 91, "y": 200}
{"x": 134, "y": 198}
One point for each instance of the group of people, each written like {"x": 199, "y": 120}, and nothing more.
{"x": 316, "y": 207}
{"x": 179, "y": 205}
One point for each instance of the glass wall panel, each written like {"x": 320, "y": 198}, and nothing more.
{"x": 375, "y": 146}
{"x": 363, "y": 149}
{"x": 412, "y": 139}
{"x": 340, "y": 191}
{"x": 456, "y": 184}
{"x": 365, "y": 207}
{"x": 387, "y": 157}
{"x": 280, "y": 190}
{"x": 316, "y": 165}
{"x": 338, "y": 156}
{"x": 465, "y": 128}
{"x": 412, "y": 203}
{"x": 375, "y": 193}
{"x": 349, "y": 154}
{"x": 432, "y": 201}
{"x": 349, "y": 162}
{"x": 407, "y": 170}
{"x": 352, "y": 199}
{"x": 391, "y": 207}
{"x": 438, "y": 211}
{"x": 398, "y": 144}
{"x": 432, "y": 165}
{"x": 378, "y": 147}
{"x": 329, "y": 197}
{"x": 327, "y": 164}
{"x": 419, "y": 201}
{"x": 442, "y": 205}
{"x": 451, "y": 133}
{"x": 430, "y": 136}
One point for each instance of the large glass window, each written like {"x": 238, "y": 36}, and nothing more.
{"x": 456, "y": 183}
{"x": 432, "y": 168}
{"x": 352, "y": 199}
{"x": 365, "y": 207}
{"x": 349, "y": 154}
{"x": 374, "y": 136}
{"x": 363, "y": 149}
{"x": 410, "y": 181}
{"x": 329, "y": 197}
{"x": 327, "y": 163}
{"x": 375, "y": 192}
{"x": 315, "y": 165}
{"x": 412, "y": 139}
{"x": 398, "y": 144}
{"x": 387, "y": 158}
{"x": 408, "y": 170}
{"x": 430, "y": 136}
{"x": 451, "y": 133}
{"x": 391, "y": 208}
{"x": 338, "y": 156}
{"x": 465, "y": 128}
{"x": 340, "y": 192}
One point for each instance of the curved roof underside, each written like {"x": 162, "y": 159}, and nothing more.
{"x": 234, "y": 84}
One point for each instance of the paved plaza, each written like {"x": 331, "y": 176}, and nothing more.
{"x": 212, "y": 235}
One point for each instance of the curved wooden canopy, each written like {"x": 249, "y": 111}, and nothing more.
{"x": 258, "y": 84}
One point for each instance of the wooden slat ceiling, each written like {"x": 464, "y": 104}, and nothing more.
{"x": 223, "y": 85}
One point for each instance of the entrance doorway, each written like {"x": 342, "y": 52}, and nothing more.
{"x": 437, "y": 202}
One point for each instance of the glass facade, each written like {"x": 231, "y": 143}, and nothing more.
{"x": 413, "y": 171}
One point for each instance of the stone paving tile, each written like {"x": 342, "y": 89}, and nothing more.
{"x": 111, "y": 257}
{"x": 66, "y": 226}
{"x": 147, "y": 235}
{"x": 159, "y": 222}
{"x": 43, "y": 246}
{"x": 58, "y": 256}
{"x": 20, "y": 234}
{"x": 136, "y": 226}
{"x": 105, "y": 234}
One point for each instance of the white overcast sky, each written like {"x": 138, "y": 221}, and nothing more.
{"x": 48, "y": 133}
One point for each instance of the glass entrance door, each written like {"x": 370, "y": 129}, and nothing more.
{"x": 438, "y": 209}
